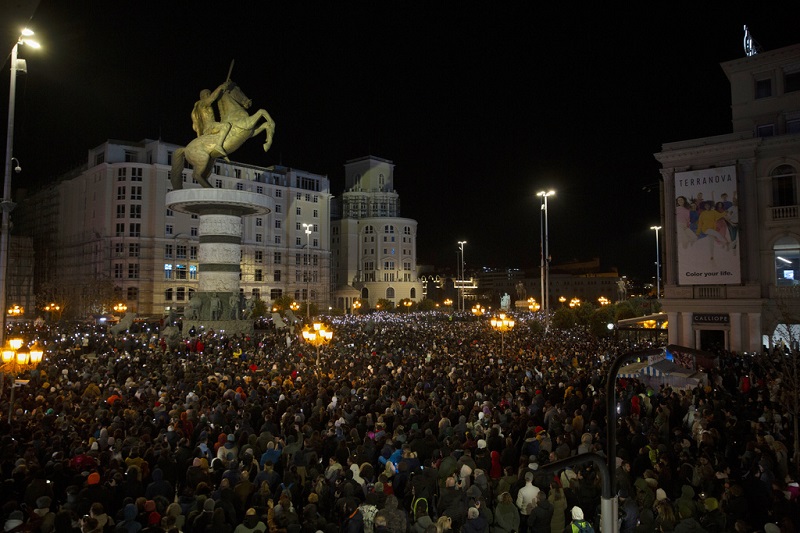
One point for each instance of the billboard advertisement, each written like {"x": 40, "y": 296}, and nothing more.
{"x": 707, "y": 226}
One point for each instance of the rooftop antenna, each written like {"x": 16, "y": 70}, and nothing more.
{"x": 751, "y": 47}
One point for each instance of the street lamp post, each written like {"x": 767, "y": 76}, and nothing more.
{"x": 502, "y": 324}
{"x": 461, "y": 277}
{"x": 307, "y": 227}
{"x": 6, "y": 204}
{"x": 658, "y": 263}
{"x": 545, "y": 254}
{"x": 317, "y": 335}
{"x": 17, "y": 357}
{"x": 51, "y": 308}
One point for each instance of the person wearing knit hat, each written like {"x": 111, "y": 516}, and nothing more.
{"x": 714, "y": 519}
{"x": 578, "y": 522}
{"x": 661, "y": 494}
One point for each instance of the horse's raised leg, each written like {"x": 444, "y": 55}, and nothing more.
{"x": 268, "y": 125}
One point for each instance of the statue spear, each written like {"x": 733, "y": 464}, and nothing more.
{"x": 230, "y": 70}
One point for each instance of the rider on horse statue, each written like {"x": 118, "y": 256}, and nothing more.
{"x": 219, "y": 138}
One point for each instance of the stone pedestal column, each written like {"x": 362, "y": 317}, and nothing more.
{"x": 217, "y": 304}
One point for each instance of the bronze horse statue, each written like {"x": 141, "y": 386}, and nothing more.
{"x": 203, "y": 151}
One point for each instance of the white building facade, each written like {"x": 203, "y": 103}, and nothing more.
{"x": 111, "y": 229}
{"x": 731, "y": 216}
{"x": 374, "y": 249}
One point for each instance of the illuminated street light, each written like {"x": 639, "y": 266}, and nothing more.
{"x": 448, "y": 302}
{"x": 317, "y": 335}
{"x": 478, "y": 310}
{"x": 461, "y": 277}
{"x": 575, "y": 302}
{"x": 120, "y": 308}
{"x": 562, "y": 299}
{"x": 658, "y": 263}
{"x": 356, "y": 306}
{"x": 533, "y": 305}
{"x": 603, "y": 300}
{"x": 17, "y": 357}
{"x": 502, "y": 324}
{"x": 6, "y": 204}
{"x": 544, "y": 250}
{"x": 294, "y": 306}
{"x": 407, "y": 304}
{"x": 16, "y": 311}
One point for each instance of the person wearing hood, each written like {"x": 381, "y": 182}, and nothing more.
{"x": 422, "y": 520}
{"x": 686, "y": 505}
{"x": 579, "y": 523}
{"x": 204, "y": 518}
{"x": 312, "y": 520}
{"x": 496, "y": 469}
{"x": 129, "y": 522}
{"x": 395, "y": 517}
{"x": 159, "y": 487}
{"x": 687, "y": 523}
{"x": 645, "y": 495}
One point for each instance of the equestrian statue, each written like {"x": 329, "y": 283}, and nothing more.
{"x": 219, "y": 138}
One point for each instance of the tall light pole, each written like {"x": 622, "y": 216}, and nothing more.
{"x": 461, "y": 277}
{"x": 545, "y": 254}
{"x": 307, "y": 227}
{"x": 6, "y": 204}
{"x": 658, "y": 263}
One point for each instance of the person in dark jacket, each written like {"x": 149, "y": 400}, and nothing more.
{"x": 353, "y": 521}
{"x": 475, "y": 522}
{"x": 541, "y": 516}
{"x": 687, "y": 523}
{"x": 159, "y": 487}
{"x": 714, "y": 520}
{"x": 506, "y": 515}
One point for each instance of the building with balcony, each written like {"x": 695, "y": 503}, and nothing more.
{"x": 731, "y": 220}
{"x": 103, "y": 233}
{"x": 374, "y": 249}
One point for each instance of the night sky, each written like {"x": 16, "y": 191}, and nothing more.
{"x": 479, "y": 107}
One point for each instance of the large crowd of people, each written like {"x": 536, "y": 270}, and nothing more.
{"x": 408, "y": 423}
